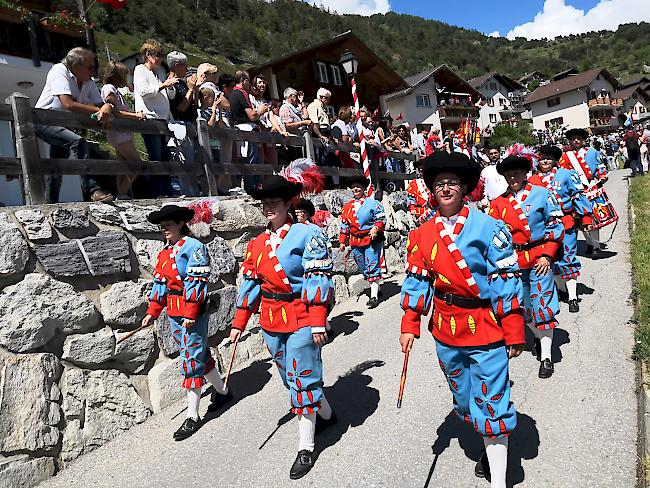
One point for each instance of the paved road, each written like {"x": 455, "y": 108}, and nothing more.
{"x": 577, "y": 429}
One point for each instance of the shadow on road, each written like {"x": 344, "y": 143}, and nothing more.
{"x": 584, "y": 290}
{"x": 523, "y": 444}
{"x": 560, "y": 338}
{"x": 353, "y": 400}
{"x": 344, "y": 324}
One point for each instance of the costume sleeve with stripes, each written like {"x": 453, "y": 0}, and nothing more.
{"x": 379, "y": 216}
{"x": 158, "y": 295}
{"x": 554, "y": 230}
{"x": 345, "y": 226}
{"x": 417, "y": 288}
{"x": 506, "y": 288}
{"x": 250, "y": 291}
{"x": 581, "y": 204}
{"x": 317, "y": 286}
{"x": 195, "y": 284}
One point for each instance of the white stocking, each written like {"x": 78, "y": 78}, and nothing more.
{"x": 325, "y": 410}
{"x": 374, "y": 289}
{"x": 572, "y": 288}
{"x": 497, "y": 453}
{"x": 215, "y": 380}
{"x": 193, "y": 401}
{"x": 307, "y": 429}
{"x": 546, "y": 341}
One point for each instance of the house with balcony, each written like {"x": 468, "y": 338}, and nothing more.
{"x": 436, "y": 98}
{"x": 533, "y": 80}
{"x": 502, "y": 100}
{"x": 584, "y": 100}
{"x": 634, "y": 100}
{"x": 33, "y": 37}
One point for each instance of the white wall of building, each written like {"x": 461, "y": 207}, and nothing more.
{"x": 407, "y": 105}
{"x": 572, "y": 109}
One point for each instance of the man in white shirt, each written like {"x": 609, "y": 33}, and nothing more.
{"x": 69, "y": 86}
{"x": 494, "y": 184}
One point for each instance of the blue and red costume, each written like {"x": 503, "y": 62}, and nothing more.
{"x": 181, "y": 284}
{"x": 533, "y": 217}
{"x": 565, "y": 184}
{"x": 287, "y": 279}
{"x": 472, "y": 262}
{"x": 421, "y": 201}
{"x": 358, "y": 217}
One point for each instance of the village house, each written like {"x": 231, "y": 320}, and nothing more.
{"x": 503, "y": 99}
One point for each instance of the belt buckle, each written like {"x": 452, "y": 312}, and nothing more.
{"x": 448, "y": 298}
{"x": 274, "y": 297}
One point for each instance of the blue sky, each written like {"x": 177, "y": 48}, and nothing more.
{"x": 483, "y": 15}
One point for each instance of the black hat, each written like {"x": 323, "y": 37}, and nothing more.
{"x": 171, "y": 212}
{"x": 419, "y": 163}
{"x": 276, "y": 186}
{"x": 468, "y": 171}
{"x": 553, "y": 152}
{"x": 306, "y": 206}
{"x": 577, "y": 132}
{"x": 357, "y": 180}
{"x": 514, "y": 162}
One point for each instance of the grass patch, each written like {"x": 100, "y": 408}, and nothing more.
{"x": 640, "y": 200}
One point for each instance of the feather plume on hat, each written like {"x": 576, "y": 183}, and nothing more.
{"x": 523, "y": 151}
{"x": 305, "y": 171}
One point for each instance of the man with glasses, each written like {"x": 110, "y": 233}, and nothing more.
{"x": 69, "y": 86}
{"x": 318, "y": 115}
{"x": 291, "y": 113}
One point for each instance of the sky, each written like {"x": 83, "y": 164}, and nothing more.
{"x": 533, "y": 19}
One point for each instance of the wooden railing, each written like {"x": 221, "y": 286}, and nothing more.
{"x": 33, "y": 168}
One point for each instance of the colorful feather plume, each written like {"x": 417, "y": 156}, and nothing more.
{"x": 204, "y": 209}
{"x": 305, "y": 171}
{"x": 523, "y": 151}
{"x": 321, "y": 218}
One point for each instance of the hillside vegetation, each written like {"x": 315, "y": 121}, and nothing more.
{"x": 234, "y": 33}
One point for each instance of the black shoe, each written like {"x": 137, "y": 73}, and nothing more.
{"x": 546, "y": 369}
{"x": 322, "y": 424}
{"x": 482, "y": 468}
{"x": 217, "y": 400}
{"x": 189, "y": 427}
{"x": 373, "y": 302}
{"x": 536, "y": 349}
{"x": 590, "y": 249}
{"x": 573, "y": 306}
{"x": 302, "y": 465}
{"x": 597, "y": 254}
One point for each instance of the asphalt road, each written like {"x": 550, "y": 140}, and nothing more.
{"x": 577, "y": 429}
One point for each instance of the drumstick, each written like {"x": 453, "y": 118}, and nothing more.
{"x": 402, "y": 380}
{"x": 232, "y": 358}
{"x": 132, "y": 332}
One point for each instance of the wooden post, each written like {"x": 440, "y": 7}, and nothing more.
{"x": 310, "y": 152}
{"x": 206, "y": 154}
{"x": 374, "y": 178}
{"x": 27, "y": 149}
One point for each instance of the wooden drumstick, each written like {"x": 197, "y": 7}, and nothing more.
{"x": 402, "y": 380}
{"x": 132, "y": 332}
{"x": 232, "y": 358}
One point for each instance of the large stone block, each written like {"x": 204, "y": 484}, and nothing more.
{"x": 397, "y": 200}
{"x": 164, "y": 381}
{"x": 105, "y": 213}
{"x": 62, "y": 259}
{"x": 28, "y": 414}
{"x": 236, "y": 215}
{"x": 21, "y": 471}
{"x": 222, "y": 259}
{"x": 341, "y": 291}
{"x": 89, "y": 349}
{"x": 147, "y": 251}
{"x": 107, "y": 253}
{"x": 133, "y": 353}
{"x": 357, "y": 285}
{"x": 405, "y": 220}
{"x": 34, "y": 223}
{"x": 333, "y": 202}
{"x": 33, "y": 311}
{"x": 134, "y": 218}
{"x": 98, "y": 406}
{"x": 394, "y": 261}
{"x": 14, "y": 251}
{"x": 240, "y": 244}
{"x": 250, "y": 347}
{"x": 65, "y": 219}
{"x": 125, "y": 303}
{"x": 333, "y": 229}
{"x": 341, "y": 265}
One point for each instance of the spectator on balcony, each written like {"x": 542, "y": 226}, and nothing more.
{"x": 403, "y": 140}
{"x": 420, "y": 141}
{"x": 206, "y": 76}
{"x": 183, "y": 95}
{"x": 149, "y": 86}
{"x": 291, "y": 112}
{"x": 116, "y": 76}
{"x": 259, "y": 98}
{"x": 226, "y": 83}
{"x": 433, "y": 142}
{"x": 318, "y": 114}
{"x": 69, "y": 86}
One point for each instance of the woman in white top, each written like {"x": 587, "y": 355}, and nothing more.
{"x": 149, "y": 83}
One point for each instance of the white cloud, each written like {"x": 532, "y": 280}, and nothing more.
{"x": 559, "y": 19}
{"x": 494, "y": 34}
{"x": 360, "y": 7}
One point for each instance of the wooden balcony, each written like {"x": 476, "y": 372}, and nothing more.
{"x": 457, "y": 112}
{"x": 604, "y": 102}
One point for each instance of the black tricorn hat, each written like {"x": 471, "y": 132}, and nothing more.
{"x": 553, "y": 152}
{"x": 571, "y": 133}
{"x": 171, "y": 212}
{"x": 468, "y": 171}
{"x": 276, "y": 186}
{"x": 306, "y": 206}
{"x": 514, "y": 162}
{"x": 357, "y": 180}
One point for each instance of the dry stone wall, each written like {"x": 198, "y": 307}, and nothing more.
{"x": 74, "y": 280}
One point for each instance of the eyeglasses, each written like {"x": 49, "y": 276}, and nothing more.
{"x": 452, "y": 184}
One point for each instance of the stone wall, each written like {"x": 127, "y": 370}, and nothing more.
{"x": 74, "y": 280}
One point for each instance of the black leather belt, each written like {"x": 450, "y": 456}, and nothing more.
{"x": 281, "y": 297}
{"x": 176, "y": 293}
{"x": 462, "y": 302}
{"x": 528, "y": 246}
{"x": 360, "y": 236}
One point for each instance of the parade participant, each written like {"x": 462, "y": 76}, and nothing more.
{"x": 287, "y": 278}
{"x": 419, "y": 198}
{"x": 463, "y": 261}
{"x": 532, "y": 215}
{"x": 304, "y": 210}
{"x": 362, "y": 225}
{"x": 181, "y": 284}
{"x": 569, "y": 191}
{"x": 593, "y": 175}
{"x": 493, "y": 183}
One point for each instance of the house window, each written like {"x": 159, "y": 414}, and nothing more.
{"x": 322, "y": 72}
{"x": 557, "y": 121}
{"x": 422, "y": 100}
{"x": 490, "y": 102}
{"x": 493, "y": 118}
{"x": 336, "y": 75}
{"x": 552, "y": 102}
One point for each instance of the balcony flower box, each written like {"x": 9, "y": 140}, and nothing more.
{"x": 13, "y": 15}
{"x": 66, "y": 30}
